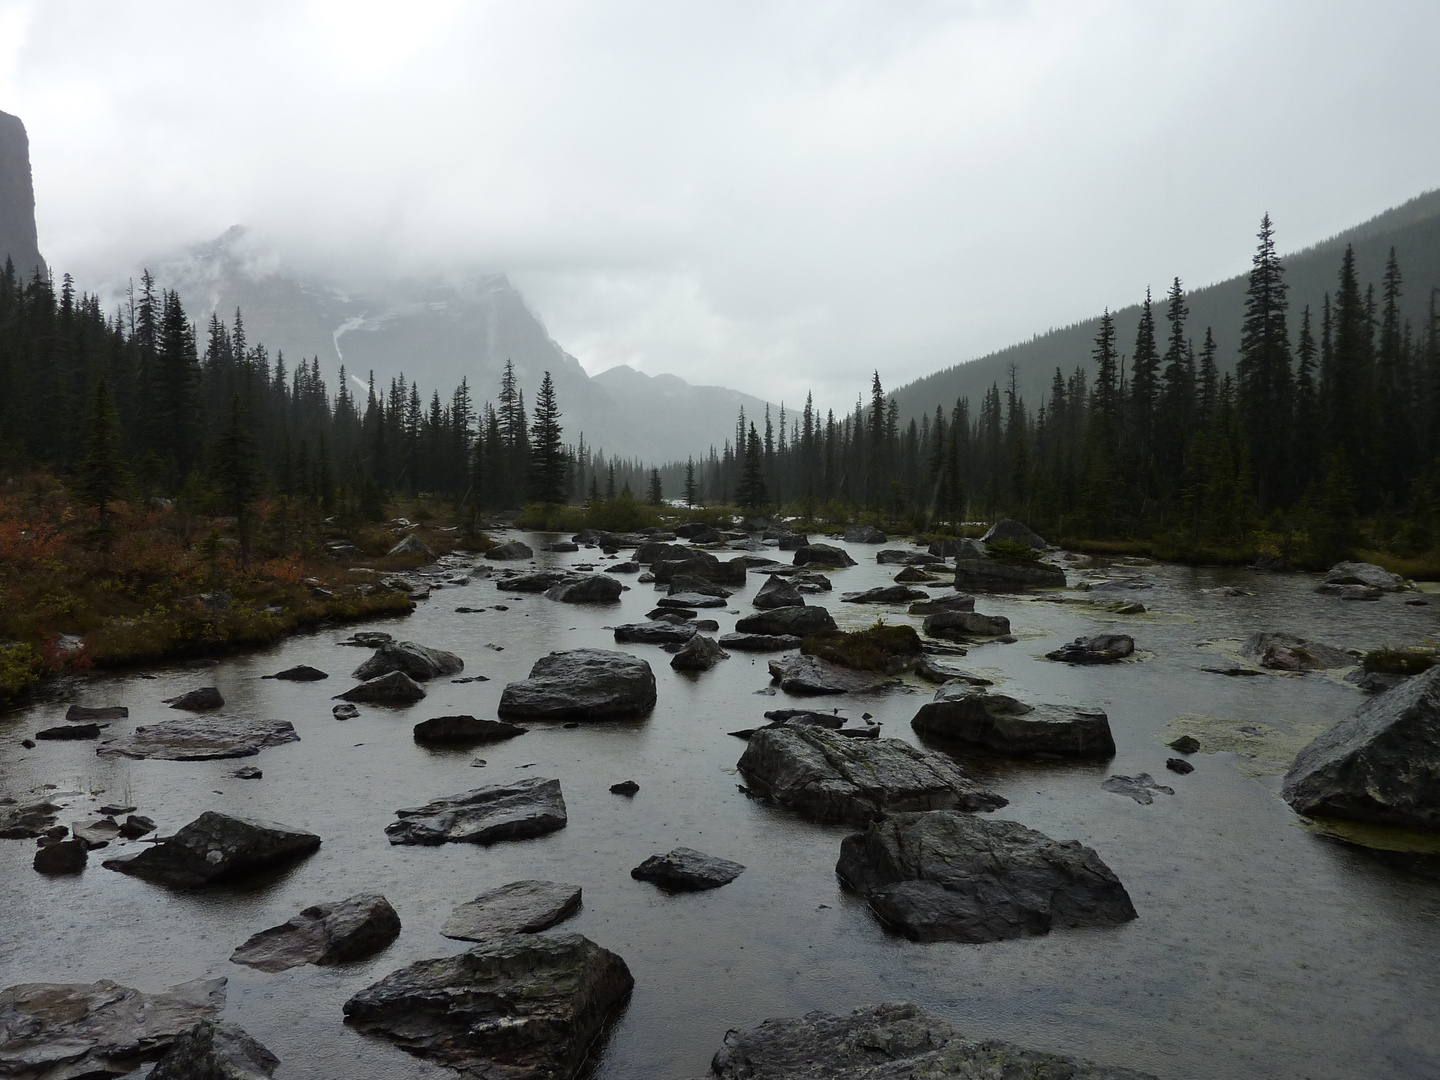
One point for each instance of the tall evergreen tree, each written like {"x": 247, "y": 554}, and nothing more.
{"x": 1265, "y": 388}
{"x": 550, "y": 469}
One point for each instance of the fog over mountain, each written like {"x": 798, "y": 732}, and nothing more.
{"x": 438, "y": 331}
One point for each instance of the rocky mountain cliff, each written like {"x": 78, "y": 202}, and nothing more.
{"x": 17, "y": 199}
{"x": 438, "y": 331}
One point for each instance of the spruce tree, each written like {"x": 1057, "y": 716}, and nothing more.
{"x": 102, "y": 473}
{"x": 550, "y": 468}
{"x": 692, "y": 495}
{"x": 656, "y": 494}
{"x": 1264, "y": 385}
{"x": 751, "y": 493}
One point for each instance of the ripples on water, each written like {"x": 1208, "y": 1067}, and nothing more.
{"x": 1261, "y": 950}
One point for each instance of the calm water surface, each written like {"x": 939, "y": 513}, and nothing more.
{"x": 1261, "y": 950}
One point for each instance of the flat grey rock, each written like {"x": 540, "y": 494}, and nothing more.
{"x": 811, "y": 675}
{"x": 351, "y": 929}
{"x": 687, "y": 870}
{"x": 954, "y": 602}
{"x": 581, "y": 684}
{"x": 1286, "y": 652}
{"x": 1142, "y": 788}
{"x": 953, "y": 876}
{"x": 79, "y": 714}
{"x": 521, "y": 907}
{"x": 964, "y": 624}
{"x": 902, "y": 557}
{"x": 515, "y": 811}
{"x": 885, "y": 594}
{"x": 463, "y": 729}
{"x": 827, "y": 777}
{"x": 1099, "y": 649}
{"x": 961, "y": 713}
{"x": 998, "y": 575}
{"x": 216, "y": 847}
{"x": 759, "y": 642}
{"x": 200, "y": 738}
{"x": 588, "y": 589}
{"x": 215, "y": 1051}
{"x": 538, "y": 582}
{"x": 655, "y": 633}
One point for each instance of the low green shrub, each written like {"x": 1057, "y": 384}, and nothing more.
{"x": 863, "y": 650}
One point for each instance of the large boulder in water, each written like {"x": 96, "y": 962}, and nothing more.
{"x": 215, "y": 1051}
{"x": 759, "y": 642}
{"x": 889, "y": 1041}
{"x": 397, "y": 688}
{"x": 864, "y": 534}
{"x": 1381, "y": 765}
{"x": 1364, "y": 573}
{"x": 216, "y": 847}
{"x": 351, "y": 929}
{"x": 515, "y": 811}
{"x": 964, "y": 624}
{"x": 1008, "y": 530}
{"x": 795, "y": 621}
{"x": 687, "y": 870}
{"x": 515, "y": 549}
{"x": 700, "y": 653}
{"x": 1100, "y": 649}
{"x": 827, "y": 777}
{"x": 777, "y": 592}
{"x": 955, "y": 602}
{"x": 656, "y": 632}
{"x": 965, "y": 714}
{"x": 520, "y": 907}
{"x": 524, "y": 1007}
{"x": 581, "y": 684}
{"x": 418, "y": 661}
{"x": 587, "y": 589}
{"x": 822, "y": 555}
{"x": 206, "y": 697}
{"x": 200, "y": 738}
{"x": 951, "y": 876}
{"x": 885, "y": 594}
{"x": 1286, "y": 652}
{"x": 1001, "y": 575}
{"x": 463, "y": 729}
{"x": 811, "y": 675}
{"x": 67, "y": 1031}
{"x": 540, "y": 581}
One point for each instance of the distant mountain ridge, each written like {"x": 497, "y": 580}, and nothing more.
{"x": 1412, "y": 228}
{"x": 18, "y": 240}
{"x": 435, "y": 332}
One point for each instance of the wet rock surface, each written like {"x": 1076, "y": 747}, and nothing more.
{"x": 79, "y": 714}
{"x": 521, "y": 907}
{"x": 952, "y": 876}
{"x": 790, "y": 621}
{"x": 964, "y": 714}
{"x": 25, "y": 820}
{"x": 759, "y": 642}
{"x": 965, "y": 624}
{"x": 1286, "y": 652}
{"x": 822, "y": 555}
{"x": 215, "y": 1051}
{"x": 687, "y": 870}
{"x": 589, "y": 589}
{"x": 777, "y": 592}
{"x": 1364, "y": 574}
{"x": 1142, "y": 788}
{"x": 656, "y": 632}
{"x": 885, "y": 594}
{"x": 827, "y": 777}
{"x": 700, "y": 653}
{"x": 890, "y": 1041}
{"x": 352, "y": 929}
{"x": 515, "y": 811}
{"x": 811, "y": 675}
{"x": 68, "y": 732}
{"x": 299, "y": 673}
{"x": 206, "y": 697}
{"x": 515, "y": 549}
{"x": 526, "y": 1006}
{"x": 902, "y": 557}
{"x": 581, "y": 684}
{"x": 1100, "y": 649}
{"x": 998, "y": 575}
{"x": 79, "y": 1031}
{"x": 1380, "y": 765}
{"x": 418, "y": 661}
{"x": 463, "y": 729}
{"x": 954, "y": 602}
{"x": 397, "y": 688}
{"x": 200, "y": 738}
{"x": 1011, "y": 531}
{"x": 61, "y": 857}
{"x": 216, "y": 847}
{"x": 864, "y": 534}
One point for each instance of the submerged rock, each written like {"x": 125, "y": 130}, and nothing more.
{"x": 206, "y": 697}
{"x": 352, "y": 929}
{"x": 525, "y": 1007}
{"x": 344, "y": 712}
{"x": 420, "y": 662}
{"x": 998, "y": 575}
{"x": 521, "y": 907}
{"x": 961, "y": 713}
{"x": 957, "y": 602}
{"x": 463, "y": 729}
{"x": 656, "y": 632}
{"x": 69, "y": 732}
{"x": 215, "y": 1051}
{"x": 890, "y": 1041}
{"x": 78, "y": 714}
{"x": 1381, "y": 765}
{"x": 823, "y": 555}
{"x": 952, "y": 876}
{"x": 1286, "y": 652}
{"x": 777, "y": 593}
{"x": 397, "y": 688}
{"x": 692, "y": 583}
{"x": 25, "y": 821}
{"x": 1100, "y": 649}
{"x": 687, "y": 870}
{"x": 1011, "y": 531}
{"x": 515, "y": 811}
{"x": 885, "y": 594}
{"x": 792, "y": 621}
{"x": 299, "y": 673}
{"x": 216, "y": 847}
{"x": 538, "y": 582}
{"x": 811, "y": 675}
{"x": 200, "y": 738}
{"x": 581, "y": 684}
{"x": 69, "y": 1031}
{"x": 700, "y": 653}
{"x": 589, "y": 589}
{"x": 959, "y": 625}
{"x": 1351, "y": 592}
{"x": 1142, "y": 788}
{"x": 759, "y": 642}
{"x": 827, "y": 777}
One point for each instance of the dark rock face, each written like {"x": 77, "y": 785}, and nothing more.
{"x": 521, "y": 907}
{"x": 464, "y": 729}
{"x": 589, "y": 589}
{"x": 214, "y": 1051}
{"x": 1007, "y": 529}
{"x": 78, "y": 714}
{"x": 796, "y": 621}
{"x": 996, "y": 575}
{"x": 1100, "y": 649}
{"x": 200, "y": 738}
{"x": 901, "y": 557}
{"x": 206, "y": 697}
{"x": 777, "y": 593}
{"x": 397, "y": 688}
{"x": 793, "y": 541}
{"x": 65, "y": 732}
{"x": 656, "y": 633}
{"x": 891, "y": 1041}
{"x": 690, "y": 583}
{"x": 1381, "y": 765}
{"x": 964, "y": 714}
{"x": 962, "y": 624}
{"x": 700, "y": 653}
{"x": 935, "y": 672}
{"x": 1365, "y": 574}
{"x": 811, "y": 675}
{"x": 418, "y": 661}
{"x": 823, "y": 554}
{"x": 581, "y": 684}
{"x": 513, "y": 550}
{"x": 912, "y": 575}
{"x": 957, "y": 602}
{"x": 356, "y": 927}
{"x": 64, "y": 857}
{"x": 25, "y": 821}
{"x": 1374, "y": 682}
{"x": 537, "y": 582}
{"x": 79, "y": 1031}
{"x": 864, "y": 534}
{"x": 653, "y": 552}
{"x": 950, "y": 876}
{"x": 885, "y": 594}
{"x": 344, "y": 712}
{"x": 759, "y": 642}
{"x": 216, "y": 847}
{"x": 827, "y": 777}
{"x": 697, "y": 532}
{"x": 562, "y": 547}
{"x": 517, "y": 811}
{"x": 687, "y": 601}
{"x": 1179, "y": 766}
{"x": 625, "y": 787}
{"x": 525, "y": 1007}
{"x": 17, "y": 201}
{"x": 300, "y": 673}
{"x": 687, "y": 870}
{"x": 1286, "y": 652}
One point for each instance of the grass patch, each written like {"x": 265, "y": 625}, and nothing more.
{"x": 1420, "y": 568}
{"x": 862, "y": 650}
{"x": 1011, "y": 551}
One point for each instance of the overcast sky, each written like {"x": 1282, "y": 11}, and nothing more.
{"x": 773, "y": 196}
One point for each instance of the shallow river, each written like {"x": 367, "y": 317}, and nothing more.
{"x": 1261, "y": 949}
